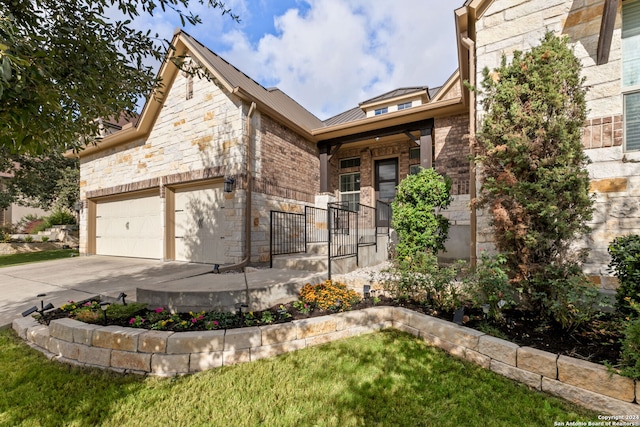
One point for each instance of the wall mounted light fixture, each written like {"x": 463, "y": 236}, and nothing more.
{"x": 229, "y": 185}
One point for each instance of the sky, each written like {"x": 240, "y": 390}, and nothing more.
{"x": 328, "y": 55}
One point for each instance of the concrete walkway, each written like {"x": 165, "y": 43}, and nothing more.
{"x": 84, "y": 277}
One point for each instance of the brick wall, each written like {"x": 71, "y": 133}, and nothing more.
{"x": 289, "y": 164}
{"x": 451, "y": 140}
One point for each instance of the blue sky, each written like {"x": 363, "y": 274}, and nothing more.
{"x": 329, "y": 55}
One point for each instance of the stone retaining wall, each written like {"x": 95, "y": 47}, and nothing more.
{"x": 167, "y": 353}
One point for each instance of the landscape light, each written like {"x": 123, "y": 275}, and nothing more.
{"x": 216, "y": 268}
{"x": 366, "y": 291}
{"x": 103, "y": 306}
{"x": 240, "y": 308}
{"x": 122, "y": 296}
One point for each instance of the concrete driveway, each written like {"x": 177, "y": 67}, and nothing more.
{"x": 78, "y": 278}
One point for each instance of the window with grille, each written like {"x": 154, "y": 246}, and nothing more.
{"x": 350, "y": 190}
{"x": 350, "y": 163}
{"x": 631, "y": 73}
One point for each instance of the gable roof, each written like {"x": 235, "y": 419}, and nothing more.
{"x": 243, "y": 85}
{"x": 272, "y": 102}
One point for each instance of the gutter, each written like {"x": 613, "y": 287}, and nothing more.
{"x": 473, "y": 245}
{"x": 247, "y": 210}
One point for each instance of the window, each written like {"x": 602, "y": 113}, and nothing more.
{"x": 631, "y": 73}
{"x": 350, "y": 163}
{"x": 414, "y": 153}
{"x": 383, "y": 110}
{"x": 404, "y": 106}
{"x": 350, "y": 190}
{"x": 414, "y": 169}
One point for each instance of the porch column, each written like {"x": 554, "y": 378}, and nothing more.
{"x": 426, "y": 148}
{"x": 324, "y": 171}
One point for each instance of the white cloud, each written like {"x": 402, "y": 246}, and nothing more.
{"x": 340, "y": 52}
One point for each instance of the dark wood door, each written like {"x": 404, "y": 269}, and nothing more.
{"x": 386, "y": 174}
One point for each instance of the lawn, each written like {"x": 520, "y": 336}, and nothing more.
{"x": 388, "y": 378}
{"x": 28, "y": 257}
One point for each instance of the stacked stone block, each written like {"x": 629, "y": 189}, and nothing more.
{"x": 168, "y": 353}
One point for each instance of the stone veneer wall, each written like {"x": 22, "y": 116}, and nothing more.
{"x": 164, "y": 353}
{"x": 509, "y": 25}
{"x": 204, "y": 138}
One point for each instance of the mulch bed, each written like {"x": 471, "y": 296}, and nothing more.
{"x": 597, "y": 342}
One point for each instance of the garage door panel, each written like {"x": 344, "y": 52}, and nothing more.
{"x": 129, "y": 228}
{"x": 199, "y": 223}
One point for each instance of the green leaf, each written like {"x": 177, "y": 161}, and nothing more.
{"x": 6, "y": 69}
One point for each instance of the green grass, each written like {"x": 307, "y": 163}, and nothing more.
{"x": 29, "y": 257}
{"x": 387, "y": 378}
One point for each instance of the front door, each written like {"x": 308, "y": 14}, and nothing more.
{"x": 385, "y": 186}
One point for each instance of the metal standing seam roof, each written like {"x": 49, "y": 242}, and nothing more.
{"x": 397, "y": 92}
{"x": 274, "y": 98}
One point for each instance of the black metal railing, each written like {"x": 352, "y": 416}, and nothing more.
{"x": 345, "y": 227}
{"x": 383, "y": 217}
{"x": 317, "y": 229}
{"x": 367, "y": 230}
{"x": 343, "y": 232}
{"x": 287, "y": 234}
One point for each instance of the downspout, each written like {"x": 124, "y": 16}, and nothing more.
{"x": 248, "y": 191}
{"x": 470, "y": 45}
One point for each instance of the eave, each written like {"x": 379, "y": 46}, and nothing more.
{"x": 423, "y": 112}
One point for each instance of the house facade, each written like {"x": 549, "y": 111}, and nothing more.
{"x": 12, "y": 215}
{"x": 367, "y": 150}
{"x": 156, "y": 189}
{"x": 195, "y": 178}
{"x": 605, "y": 35}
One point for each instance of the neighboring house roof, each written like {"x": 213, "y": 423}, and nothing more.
{"x": 122, "y": 121}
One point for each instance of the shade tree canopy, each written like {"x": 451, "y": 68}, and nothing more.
{"x": 63, "y": 64}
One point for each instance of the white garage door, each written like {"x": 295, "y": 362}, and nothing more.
{"x": 199, "y": 220}
{"x": 129, "y": 228}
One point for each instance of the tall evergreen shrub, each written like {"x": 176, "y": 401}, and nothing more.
{"x": 416, "y": 213}
{"x": 535, "y": 182}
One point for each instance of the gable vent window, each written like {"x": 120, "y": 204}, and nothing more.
{"x": 631, "y": 73}
{"x": 350, "y": 163}
{"x": 189, "y": 87}
{"x": 383, "y": 110}
{"x": 404, "y": 106}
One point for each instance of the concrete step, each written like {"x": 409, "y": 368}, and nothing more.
{"x": 318, "y": 248}
{"x": 301, "y": 262}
